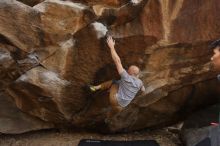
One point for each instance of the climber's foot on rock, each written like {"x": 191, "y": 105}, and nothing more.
{"x": 91, "y": 88}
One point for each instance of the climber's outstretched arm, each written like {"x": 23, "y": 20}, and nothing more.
{"x": 115, "y": 57}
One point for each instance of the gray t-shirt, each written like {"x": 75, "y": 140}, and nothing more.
{"x": 128, "y": 88}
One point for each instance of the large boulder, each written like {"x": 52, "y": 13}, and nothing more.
{"x": 31, "y": 2}
{"x": 74, "y": 16}
{"x": 103, "y": 2}
{"x": 23, "y": 29}
{"x": 58, "y": 47}
{"x": 13, "y": 121}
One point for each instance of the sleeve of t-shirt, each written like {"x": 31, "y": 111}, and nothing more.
{"x": 143, "y": 89}
{"x": 124, "y": 74}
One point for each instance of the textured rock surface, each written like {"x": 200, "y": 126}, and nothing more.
{"x": 52, "y": 50}
{"x": 31, "y": 2}
{"x": 13, "y": 121}
{"x": 28, "y": 35}
{"x": 103, "y": 2}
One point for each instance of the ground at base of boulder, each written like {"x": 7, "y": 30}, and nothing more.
{"x": 64, "y": 138}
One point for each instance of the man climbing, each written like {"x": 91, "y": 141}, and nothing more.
{"x": 123, "y": 91}
{"x": 216, "y": 64}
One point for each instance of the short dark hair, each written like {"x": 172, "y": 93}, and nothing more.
{"x": 215, "y": 44}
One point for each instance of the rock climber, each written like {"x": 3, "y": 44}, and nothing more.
{"x": 122, "y": 91}
{"x": 216, "y": 63}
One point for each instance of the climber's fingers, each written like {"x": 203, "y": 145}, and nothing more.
{"x": 110, "y": 39}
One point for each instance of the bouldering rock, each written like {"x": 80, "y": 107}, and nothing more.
{"x": 118, "y": 16}
{"x": 12, "y": 64}
{"x": 23, "y": 29}
{"x": 198, "y": 127}
{"x": 103, "y": 2}
{"x": 171, "y": 21}
{"x": 6, "y": 63}
{"x": 31, "y": 2}
{"x": 184, "y": 28}
{"x": 144, "y": 19}
{"x": 33, "y": 28}
{"x": 13, "y": 121}
{"x": 74, "y": 16}
{"x": 54, "y": 49}
{"x": 42, "y": 103}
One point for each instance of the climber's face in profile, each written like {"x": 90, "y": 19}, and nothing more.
{"x": 216, "y": 58}
{"x": 133, "y": 71}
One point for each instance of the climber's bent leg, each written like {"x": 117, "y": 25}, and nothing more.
{"x": 116, "y": 108}
{"x": 112, "y": 96}
{"x": 103, "y": 86}
{"x": 106, "y": 85}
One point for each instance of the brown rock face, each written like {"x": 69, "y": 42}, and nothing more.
{"x": 31, "y": 2}
{"x": 49, "y": 52}
{"x": 26, "y": 37}
{"x": 13, "y": 121}
{"x": 103, "y": 2}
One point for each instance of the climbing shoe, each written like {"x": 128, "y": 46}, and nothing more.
{"x": 91, "y": 88}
